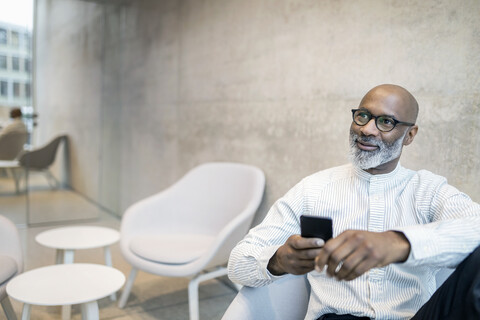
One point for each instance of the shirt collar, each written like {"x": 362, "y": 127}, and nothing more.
{"x": 364, "y": 175}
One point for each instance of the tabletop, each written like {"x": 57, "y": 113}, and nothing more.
{"x": 65, "y": 284}
{"x": 78, "y": 237}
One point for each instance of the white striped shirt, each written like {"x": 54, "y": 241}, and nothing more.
{"x": 441, "y": 223}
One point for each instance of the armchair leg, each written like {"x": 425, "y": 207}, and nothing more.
{"x": 7, "y": 307}
{"x": 127, "y": 288}
{"x": 16, "y": 178}
{"x": 193, "y": 290}
{"x": 52, "y": 181}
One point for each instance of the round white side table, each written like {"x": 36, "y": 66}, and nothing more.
{"x": 66, "y": 284}
{"x": 68, "y": 239}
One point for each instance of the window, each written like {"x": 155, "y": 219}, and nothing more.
{"x": 15, "y": 63}
{"x": 3, "y": 36}
{"x": 3, "y": 88}
{"x": 15, "y": 38}
{"x": 27, "y": 90}
{"x": 27, "y": 65}
{"x": 27, "y": 42}
{"x": 3, "y": 62}
{"x": 16, "y": 89}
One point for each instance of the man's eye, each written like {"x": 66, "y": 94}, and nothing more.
{"x": 363, "y": 115}
{"x": 387, "y": 121}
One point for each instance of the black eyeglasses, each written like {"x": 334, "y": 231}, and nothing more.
{"x": 384, "y": 123}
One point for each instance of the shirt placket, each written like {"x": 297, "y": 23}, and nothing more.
{"x": 376, "y": 224}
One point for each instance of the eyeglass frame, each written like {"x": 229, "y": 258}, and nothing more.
{"x": 395, "y": 121}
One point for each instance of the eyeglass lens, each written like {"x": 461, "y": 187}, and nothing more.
{"x": 383, "y": 123}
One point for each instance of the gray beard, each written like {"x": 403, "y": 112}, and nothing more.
{"x": 371, "y": 159}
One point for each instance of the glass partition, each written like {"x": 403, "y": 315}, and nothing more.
{"x": 16, "y": 21}
{"x": 35, "y": 184}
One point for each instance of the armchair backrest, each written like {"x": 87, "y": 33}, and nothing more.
{"x": 10, "y": 241}
{"x": 11, "y": 144}
{"x": 205, "y": 199}
{"x": 216, "y": 199}
{"x": 43, "y": 157}
{"x": 11, "y": 247}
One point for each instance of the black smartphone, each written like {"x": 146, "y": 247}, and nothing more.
{"x": 316, "y": 227}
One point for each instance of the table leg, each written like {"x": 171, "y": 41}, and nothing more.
{"x": 68, "y": 257}
{"x": 26, "y": 311}
{"x": 7, "y": 307}
{"x": 90, "y": 310}
{"x": 59, "y": 256}
{"x": 108, "y": 262}
{"x": 66, "y": 312}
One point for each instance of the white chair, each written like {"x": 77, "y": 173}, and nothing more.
{"x": 11, "y": 261}
{"x": 284, "y": 299}
{"x": 191, "y": 227}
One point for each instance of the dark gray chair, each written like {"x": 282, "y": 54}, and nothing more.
{"x": 11, "y": 144}
{"x": 41, "y": 159}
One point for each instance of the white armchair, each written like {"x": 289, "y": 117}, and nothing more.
{"x": 11, "y": 261}
{"x": 192, "y": 226}
{"x": 284, "y": 299}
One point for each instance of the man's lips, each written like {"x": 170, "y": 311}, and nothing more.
{"x": 366, "y": 146}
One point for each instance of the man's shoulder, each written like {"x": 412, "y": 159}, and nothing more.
{"x": 427, "y": 177}
{"x": 330, "y": 175}
{"x": 426, "y": 182}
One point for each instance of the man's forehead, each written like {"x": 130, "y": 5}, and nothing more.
{"x": 387, "y": 100}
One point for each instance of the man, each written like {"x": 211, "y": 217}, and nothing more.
{"x": 16, "y": 124}
{"x": 393, "y": 228}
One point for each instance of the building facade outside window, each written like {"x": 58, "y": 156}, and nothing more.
{"x": 3, "y": 36}
{"x": 28, "y": 90}
{"x": 15, "y": 64}
{"x": 3, "y": 62}
{"x": 15, "y": 39}
{"x": 16, "y": 89}
{"x": 4, "y": 88}
{"x": 27, "y": 65}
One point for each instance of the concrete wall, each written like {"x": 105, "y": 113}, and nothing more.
{"x": 149, "y": 89}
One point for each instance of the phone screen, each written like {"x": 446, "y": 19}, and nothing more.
{"x": 316, "y": 227}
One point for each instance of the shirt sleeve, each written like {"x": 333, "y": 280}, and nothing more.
{"x": 451, "y": 232}
{"x": 248, "y": 261}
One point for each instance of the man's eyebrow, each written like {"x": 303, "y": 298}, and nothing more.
{"x": 380, "y": 115}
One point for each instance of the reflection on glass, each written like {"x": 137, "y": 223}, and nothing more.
{"x": 16, "y": 20}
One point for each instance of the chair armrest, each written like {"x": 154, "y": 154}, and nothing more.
{"x": 284, "y": 299}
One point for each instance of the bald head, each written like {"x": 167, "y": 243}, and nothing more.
{"x": 395, "y": 98}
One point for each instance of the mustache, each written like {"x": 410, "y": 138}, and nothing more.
{"x": 366, "y": 140}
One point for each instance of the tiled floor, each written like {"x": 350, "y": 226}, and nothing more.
{"x": 152, "y": 297}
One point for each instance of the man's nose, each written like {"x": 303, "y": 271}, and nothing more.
{"x": 370, "y": 129}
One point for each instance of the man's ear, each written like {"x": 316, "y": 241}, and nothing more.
{"x": 412, "y": 132}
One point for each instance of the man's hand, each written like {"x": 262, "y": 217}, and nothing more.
{"x": 296, "y": 256}
{"x": 358, "y": 251}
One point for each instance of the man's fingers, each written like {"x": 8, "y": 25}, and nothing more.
{"x": 352, "y": 266}
{"x": 327, "y": 250}
{"x": 299, "y": 243}
{"x": 345, "y": 257}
